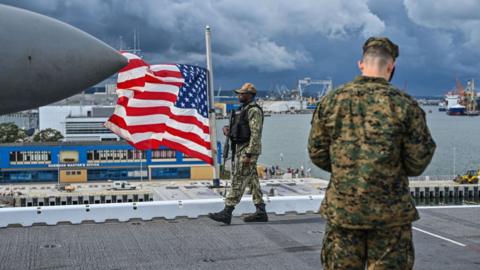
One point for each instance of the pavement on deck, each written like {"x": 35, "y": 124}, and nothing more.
{"x": 444, "y": 239}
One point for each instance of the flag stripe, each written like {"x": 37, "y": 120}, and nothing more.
{"x": 132, "y": 65}
{"x": 152, "y": 87}
{"x": 132, "y": 103}
{"x": 165, "y": 67}
{"x": 125, "y": 92}
{"x": 155, "y": 96}
{"x": 130, "y": 56}
{"x": 154, "y": 143}
{"x": 189, "y": 151}
{"x": 168, "y": 73}
{"x": 133, "y": 73}
{"x": 128, "y": 84}
{"x": 164, "y": 80}
{"x": 160, "y": 110}
{"x": 190, "y": 134}
{"x": 188, "y": 143}
{"x": 163, "y": 105}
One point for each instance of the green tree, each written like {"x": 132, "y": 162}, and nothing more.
{"x": 48, "y": 135}
{"x": 10, "y": 133}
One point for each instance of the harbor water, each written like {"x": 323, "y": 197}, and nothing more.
{"x": 457, "y": 137}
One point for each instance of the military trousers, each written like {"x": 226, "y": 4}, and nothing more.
{"x": 245, "y": 175}
{"x": 383, "y": 248}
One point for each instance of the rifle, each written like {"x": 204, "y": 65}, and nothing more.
{"x": 226, "y": 150}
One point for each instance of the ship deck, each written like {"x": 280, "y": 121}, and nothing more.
{"x": 445, "y": 238}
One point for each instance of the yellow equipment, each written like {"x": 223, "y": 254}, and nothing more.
{"x": 471, "y": 177}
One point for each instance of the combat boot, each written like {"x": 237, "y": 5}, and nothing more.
{"x": 224, "y": 216}
{"x": 259, "y": 216}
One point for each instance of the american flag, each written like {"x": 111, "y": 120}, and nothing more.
{"x": 163, "y": 105}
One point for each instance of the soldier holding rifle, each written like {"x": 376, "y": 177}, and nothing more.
{"x": 245, "y": 134}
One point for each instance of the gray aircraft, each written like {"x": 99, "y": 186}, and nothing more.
{"x": 44, "y": 60}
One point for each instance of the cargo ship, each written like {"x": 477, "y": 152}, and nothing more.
{"x": 456, "y": 110}
{"x": 462, "y": 101}
{"x": 453, "y": 105}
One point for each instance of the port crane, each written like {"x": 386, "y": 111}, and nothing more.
{"x": 307, "y": 81}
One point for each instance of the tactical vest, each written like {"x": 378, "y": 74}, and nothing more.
{"x": 239, "y": 129}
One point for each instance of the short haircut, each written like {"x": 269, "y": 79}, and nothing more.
{"x": 377, "y": 54}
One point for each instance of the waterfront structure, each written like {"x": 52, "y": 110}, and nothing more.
{"x": 281, "y": 106}
{"x": 462, "y": 101}
{"x": 77, "y": 122}
{"x": 327, "y": 86}
{"x": 81, "y": 117}
{"x": 24, "y": 120}
{"x": 77, "y": 162}
{"x": 90, "y": 127}
{"x": 87, "y": 129}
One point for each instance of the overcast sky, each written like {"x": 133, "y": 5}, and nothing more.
{"x": 277, "y": 42}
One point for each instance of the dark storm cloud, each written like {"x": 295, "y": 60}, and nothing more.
{"x": 275, "y": 42}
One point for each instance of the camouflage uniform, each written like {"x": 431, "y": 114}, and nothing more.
{"x": 246, "y": 133}
{"x": 246, "y": 174}
{"x": 388, "y": 248}
{"x": 370, "y": 136}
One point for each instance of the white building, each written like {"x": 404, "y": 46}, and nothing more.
{"x": 77, "y": 122}
{"x": 280, "y": 106}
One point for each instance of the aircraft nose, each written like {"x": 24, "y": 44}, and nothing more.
{"x": 45, "y": 60}
{"x": 91, "y": 62}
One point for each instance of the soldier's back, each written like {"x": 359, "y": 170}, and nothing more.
{"x": 367, "y": 121}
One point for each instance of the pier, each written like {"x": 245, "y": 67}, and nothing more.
{"x": 48, "y": 195}
{"x": 446, "y": 189}
{"x": 422, "y": 190}
{"x": 100, "y": 198}
{"x": 102, "y": 193}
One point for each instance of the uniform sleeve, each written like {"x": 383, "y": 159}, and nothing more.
{"x": 418, "y": 145}
{"x": 255, "y": 122}
{"x": 319, "y": 142}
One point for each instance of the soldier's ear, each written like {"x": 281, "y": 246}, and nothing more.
{"x": 361, "y": 65}
{"x": 392, "y": 72}
{"x": 390, "y": 66}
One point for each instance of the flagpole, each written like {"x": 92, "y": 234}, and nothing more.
{"x": 211, "y": 115}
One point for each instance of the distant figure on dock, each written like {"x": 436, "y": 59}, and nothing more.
{"x": 245, "y": 134}
{"x": 370, "y": 136}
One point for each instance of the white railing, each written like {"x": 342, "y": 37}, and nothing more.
{"x": 76, "y": 214}
{"x": 433, "y": 178}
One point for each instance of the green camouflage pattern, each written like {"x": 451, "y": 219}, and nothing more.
{"x": 382, "y": 248}
{"x": 371, "y": 137}
{"x": 245, "y": 175}
{"x": 383, "y": 42}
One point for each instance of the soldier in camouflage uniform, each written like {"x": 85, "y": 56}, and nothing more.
{"x": 370, "y": 136}
{"x": 246, "y": 134}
